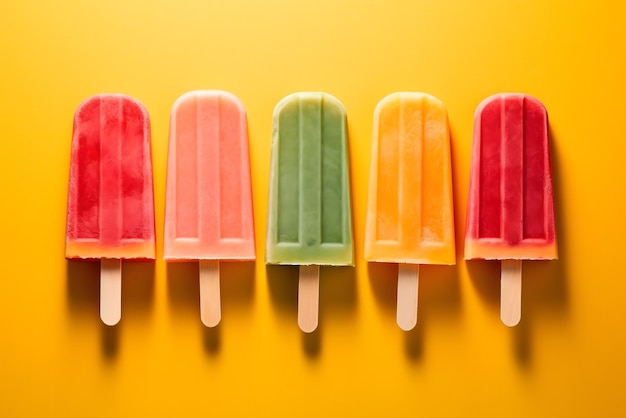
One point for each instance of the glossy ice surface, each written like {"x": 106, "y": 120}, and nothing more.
{"x": 208, "y": 212}
{"x": 110, "y": 210}
{"x": 510, "y": 208}
{"x": 309, "y": 218}
{"x": 410, "y": 215}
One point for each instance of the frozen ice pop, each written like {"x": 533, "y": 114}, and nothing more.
{"x": 510, "y": 214}
{"x": 309, "y": 222}
{"x": 208, "y": 210}
{"x": 110, "y": 214}
{"x": 410, "y": 217}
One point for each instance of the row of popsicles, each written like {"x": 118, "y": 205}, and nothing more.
{"x": 209, "y": 216}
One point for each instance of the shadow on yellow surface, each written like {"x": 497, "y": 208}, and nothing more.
{"x": 83, "y": 295}
{"x": 183, "y": 290}
{"x": 83, "y": 288}
{"x": 337, "y": 299}
{"x": 439, "y": 299}
{"x": 544, "y": 283}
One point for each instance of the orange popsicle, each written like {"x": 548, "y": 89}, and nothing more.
{"x": 410, "y": 216}
{"x": 110, "y": 211}
{"x": 208, "y": 211}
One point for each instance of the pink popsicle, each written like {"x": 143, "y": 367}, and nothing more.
{"x": 510, "y": 211}
{"x": 208, "y": 213}
{"x": 110, "y": 212}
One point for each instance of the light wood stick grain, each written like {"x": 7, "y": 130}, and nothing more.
{"x": 308, "y": 298}
{"x": 408, "y": 283}
{"x": 511, "y": 292}
{"x": 110, "y": 291}
{"x": 210, "y": 300}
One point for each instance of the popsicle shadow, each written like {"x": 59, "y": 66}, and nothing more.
{"x": 383, "y": 279}
{"x": 83, "y": 295}
{"x": 337, "y": 298}
{"x": 439, "y": 299}
{"x": 236, "y": 293}
{"x": 83, "y": 288}
{"x": 485, "y": 276}
{"x": 137, "y": 289}
{"x": 183, "y": 290}
{"x": 545, "y": 292}
{"x": 337, "y": 293}
{"x": 544, "y": 283}
{"x": 283, "y": 289}
{"x": 237, "y": 285}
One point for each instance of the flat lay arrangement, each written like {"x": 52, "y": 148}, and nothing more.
{"x": 309, "y": 209}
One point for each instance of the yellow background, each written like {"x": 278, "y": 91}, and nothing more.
{"x": 564, "y": 360}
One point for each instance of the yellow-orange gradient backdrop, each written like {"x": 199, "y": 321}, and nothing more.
{"x": 565, "y": 359}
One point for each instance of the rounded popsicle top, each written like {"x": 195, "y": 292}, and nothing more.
{"x": 293, "y": 99}
{"x": 407, "y": 95}
{"x": 410, "y": 208}
{"x": 89, "y": 105}
{"x": 219, "y": 94}
{"x": 110, "y": 200}
{"x": 208, "y": 209}
{"x": 496, "y": 99}
{"x": 309, "y": 220}
{"x": 510, "y": 211}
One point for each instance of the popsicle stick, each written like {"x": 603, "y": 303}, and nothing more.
{"x": 110, "y": 290}
{"x": 308, "y": 297}
{"x": 511, "y": 292}
{"x": 210, "y": 305}
{"x": 408, "y": 282}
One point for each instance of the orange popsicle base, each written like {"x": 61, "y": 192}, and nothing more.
{"x": 392, "y": 254}
{"x": 494, "y": 250}
{"x": 95, "y": 250}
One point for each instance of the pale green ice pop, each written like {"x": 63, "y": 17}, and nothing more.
{"x": 309, "y": 222}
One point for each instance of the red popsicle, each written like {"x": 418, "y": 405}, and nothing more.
{"x": 110, "y": 214}
{"x": 510, "y": 214}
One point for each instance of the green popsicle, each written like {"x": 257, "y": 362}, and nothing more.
{"x": 309, "y": 222}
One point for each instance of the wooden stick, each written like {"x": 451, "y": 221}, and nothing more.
{"x": 511, "y": 292}
{"x": 110, "y": 291}
{"x": 408, "y": 283}
{"x": 210, "y": 305}
{"x": 308, "y": 297}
